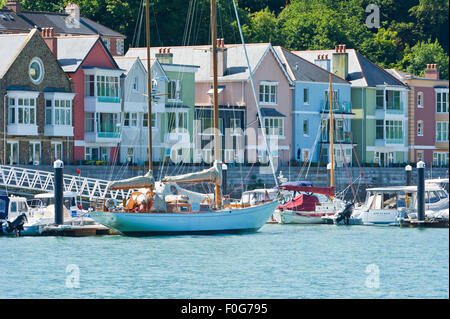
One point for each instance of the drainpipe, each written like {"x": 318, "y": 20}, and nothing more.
{"x": 4, "y": 127}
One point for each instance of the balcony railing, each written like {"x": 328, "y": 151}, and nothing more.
{"x": 108, "y": 99}
{"x": 343, "y": 139}
{"x": 108, "y": 134}
{"x": 345, "y": 107}
{"x": 394, "y": 141}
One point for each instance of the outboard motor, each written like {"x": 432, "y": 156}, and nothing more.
{"x": 345, "y": 214}
{"x": 15, "y": 226}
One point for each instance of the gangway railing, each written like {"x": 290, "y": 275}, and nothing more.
{"x": 35, "y": 180}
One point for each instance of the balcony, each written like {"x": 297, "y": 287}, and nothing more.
{"x": 344, "y": 108}
{"x": 344, "y": 140}
{"x": 58, "y": 130}
{"x": 22, "y": 129}
{"x": 102, "y": 104}
{"x": 389, "y": 142}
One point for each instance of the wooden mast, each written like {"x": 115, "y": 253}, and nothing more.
{"x": 331, "y": 135}
{"x": 149, "y": 86}
{"x": 215, "y": 96}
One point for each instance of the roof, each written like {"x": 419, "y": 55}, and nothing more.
{"x": 126, "y": 63}
{"x": 361, "y": 71}
{"x": 269, "y": 112}
{"x": 10, "y": 47}
{"x": 72, "y": 51}
{"x": 237, "y": 69}
{"x": 27, "y": 20}
{"x": 303, "y": 70}
{"x": 403, "y": 76}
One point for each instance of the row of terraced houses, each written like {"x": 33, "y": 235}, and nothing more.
{"x": 69, "y": 91}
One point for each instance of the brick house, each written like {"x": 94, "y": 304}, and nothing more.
{"x": 36, "y": 100}
{"x": 15, "y": 20}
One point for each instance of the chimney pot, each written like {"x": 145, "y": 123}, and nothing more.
{"x": 344, "y": 47}
{"x": 336, "y": 48}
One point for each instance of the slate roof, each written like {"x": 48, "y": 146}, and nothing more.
{"x": 237, "y": 69}
{"x": 303, "y": 70}
{"x": 361, "y": 71}
{"x": 27, "y": 20}
{"x": 10, "y": 47}
{"x": 270, "y": 112}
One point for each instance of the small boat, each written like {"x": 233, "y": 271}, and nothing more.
{"x": 390, "y": 205}
{"x": 16, "y": 218}
{"x": 309, "y": 205}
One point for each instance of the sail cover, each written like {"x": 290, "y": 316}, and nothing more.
{"x": 328, "y": 191}
{"x": 146, "y": 181}
{"x": 210, "y": 175}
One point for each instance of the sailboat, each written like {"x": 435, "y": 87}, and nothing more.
{"x": 312, "y": 205}
{"x": 151, "y": 212}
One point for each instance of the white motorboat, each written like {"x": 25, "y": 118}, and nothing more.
{"x": 389, "y": 205}
{"x": 17, "y": 218}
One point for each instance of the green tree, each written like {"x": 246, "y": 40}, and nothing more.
{"x": 263, "y": 27}
{"x": 385, "y": 48}
{"x": 424, "y": 53}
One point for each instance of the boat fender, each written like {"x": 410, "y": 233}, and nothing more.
{"x": 111, "y": 203}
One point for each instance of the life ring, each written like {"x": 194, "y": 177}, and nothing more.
{"x": 111, "y": 203}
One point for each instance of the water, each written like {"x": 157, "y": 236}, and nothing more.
{"x": 280, "y": 261}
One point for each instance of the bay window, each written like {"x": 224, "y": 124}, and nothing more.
{"x": 442, "y": 101}
{"x": 274, "y": 126}
{"x": 441, "y": 131}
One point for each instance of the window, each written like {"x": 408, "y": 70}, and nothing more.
{"x": 305, "y": 155}
{"x": 12, "y": 153}
{"x": 335, "y": 100}
{"x": 130, "y": 119}
{"x": 177, "y": 122}
{"x": 441, "y": 131}
{"x": 107, "y": 86}
{"x": 130, "y": 154}
{"x": 305, "y": 127}
{"x": 268, "y": 93}
{"x": 36, "y": 70}
{"x": 394, "y": 130}
{"x": 89, "y": 122}
{"x": 207, "y": 125}
{"x": 380, "y": 99}
{"x": 235, "y": 126}
{"x": 57, "y": 151}
{"x": 324, "y": 133}
{"x": 145, "y": 120}
{"x": 420, "y": 99}
{"x": 274, "y": 126}
{"x": 89, "y": 85}
{"x": 419, "y": 128}
{"x": 60, "y": 113}
{"x": 419, "y": 156}
{"x": 305, "y": 96}
{"x": 442, "y": 102}
{"x": 339, "y": 136}
{"x": 393, "y": 100}
{"x": 22, "y": 111}
{"x": 119, "y": 45}
{"x": 107, "y": 43}
{"x": 34, "y": 153}
{"x": 174, "y": 90}
{"x": 135, "y": 86}
{"x": 379, "y": 127}
{"x": 440, "y": 159}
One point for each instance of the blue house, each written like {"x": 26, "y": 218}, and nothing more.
{"x": 311, "y": 111}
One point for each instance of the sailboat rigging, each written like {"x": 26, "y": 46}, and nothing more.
{"x": 151, "y": 210}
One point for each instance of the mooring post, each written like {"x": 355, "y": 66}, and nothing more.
{"x": 58, "y": 165}
{"x": 408, "y": 170}
{"x": 224, "y": 178}
{"x": 421, "y": 191}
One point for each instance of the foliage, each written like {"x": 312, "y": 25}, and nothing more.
{"x": 412, "y": 33}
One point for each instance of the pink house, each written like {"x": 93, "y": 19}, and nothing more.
{"x": 96, "y": 81}
{"x": 427, "y": 116}
{"x": 237, "y": 106}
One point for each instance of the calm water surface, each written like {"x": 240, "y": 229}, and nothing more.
{"x": 280, "y": 261}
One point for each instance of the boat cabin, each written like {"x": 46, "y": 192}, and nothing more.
{"x": 12, "y": 207}
{"x": 258, "y": 196}
{"x": 46, "y": 200}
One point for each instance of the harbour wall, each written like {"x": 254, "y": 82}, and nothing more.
{"x": 240, "y": 178}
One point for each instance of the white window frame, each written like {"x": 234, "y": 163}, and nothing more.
{"x": 443, "y": 136}
{"x": 57, "y": 100}
{"x": 131, "y": 118}
{"x": 135, "y": 85}
{"x": 420, "y": 100}
{"x": 119, "y": 46}
{"x": 32, "y": 155}
{"x": 54, "y": 150}
{"x": 305, "y": 121}
{"x": 107, "y": 42}
{"x": 235, "y": 127}
{"x": 444, "y": 103}
{"x": 438, "y": 157}
{"x": 174, "y": 94}
{"x": 13, "y": 146}
{"x": 177, "y": 127}
{"x": 420, "y": 128}
{"x": 270, "y": 127}
{"x": 265, "y": 92}
{"x": 306, "y": 96}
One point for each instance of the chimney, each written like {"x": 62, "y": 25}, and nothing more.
{"x": 164, "y": 56}
{"x": 340, "y": 61}
{"x": 323, "y": 62}
{"x": 73, "y": 10}
{"x": 14, "y": 5}
{"x": 48, "y": 35}
{"x": 432, "y": 72}
{"x": 221, "y": 58}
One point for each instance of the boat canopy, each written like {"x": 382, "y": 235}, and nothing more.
{"x": 328, "y": 191}
{"x": 403, "y": 189}
{"x": 146, "y": 181}
{"x": 210, "y": 175}
{"x": 296, "y": 183}
{"x": 52, "y": 195}
{"x": 4, "y": 206}
{"x": 301, "y": 203}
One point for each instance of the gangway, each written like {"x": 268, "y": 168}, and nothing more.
{"x": 13, "y": 177}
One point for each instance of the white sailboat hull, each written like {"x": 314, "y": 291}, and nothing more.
{"x": 248, "y": 219}
{"x": 296, "y": 217}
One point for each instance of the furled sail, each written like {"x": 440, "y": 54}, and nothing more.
{"x": 146, "y": 181}
{"x": 210, "y": 175}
